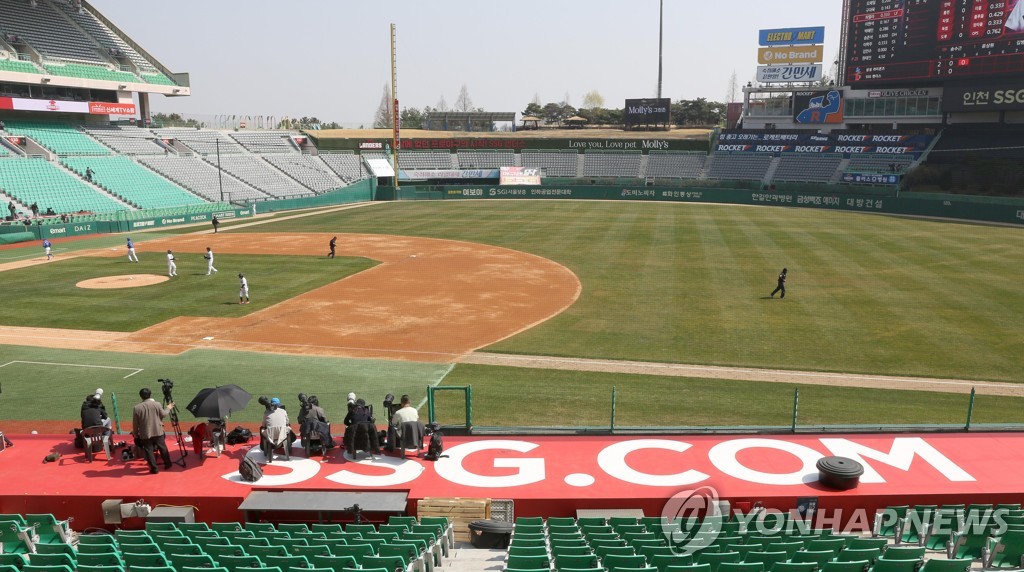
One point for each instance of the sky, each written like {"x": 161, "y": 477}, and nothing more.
{"x": 330, "y": 59}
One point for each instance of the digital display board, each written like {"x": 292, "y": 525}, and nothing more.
{"x": 932, "y": 41}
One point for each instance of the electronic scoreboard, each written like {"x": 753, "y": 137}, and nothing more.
{"x": 933, "y": 41}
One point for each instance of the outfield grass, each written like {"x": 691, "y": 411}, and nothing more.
{"x": 690, "y": 283}
{"x": 584, "y": 399}
{"x": 46, "y": 296}
{"x": 69, "y": 378}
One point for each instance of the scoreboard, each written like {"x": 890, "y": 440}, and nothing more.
{"x": 932, "y": 41}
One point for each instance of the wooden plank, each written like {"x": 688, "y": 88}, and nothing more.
{"x": 459, "y": 511}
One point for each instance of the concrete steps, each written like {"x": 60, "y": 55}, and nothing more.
{"x": 465, "y": 558}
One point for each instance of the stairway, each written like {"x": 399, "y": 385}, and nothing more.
{"x": 465, "y": 558}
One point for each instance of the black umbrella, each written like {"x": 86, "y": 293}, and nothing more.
{"x": 219, "y": 402}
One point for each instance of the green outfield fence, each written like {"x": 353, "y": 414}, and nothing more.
{"x": 772, "y": 408}
{"x": 858, "y": 199}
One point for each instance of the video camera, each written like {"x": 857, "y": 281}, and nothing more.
{"x": 389, "y": 406}
{"x": 166, "y": 385}
{"x": 264, "y": 401}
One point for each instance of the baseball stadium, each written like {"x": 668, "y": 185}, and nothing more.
{"x": 789, "y": 342}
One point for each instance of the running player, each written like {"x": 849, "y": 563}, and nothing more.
{"x": 172, "y": 268}
{"x": 243, "y": 289}
{"x": 46, "y": 248}
{"x": 131, "y": 251}
{"x": 209, "y": 261}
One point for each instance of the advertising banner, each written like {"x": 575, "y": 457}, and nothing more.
{"x": 55, "y": 105}
{"x": 871, "y": 178}
{"x": 648, "y": 111}
{"x": 427, "y": 174}
{"x": 792, "y": 36}
{"x": 779, "y": 74}
{"x": 519, "y": 176}
{"x": 791, "y": 55}
{"x": 818, "y": 106}
{"x": 1002, "y": 95}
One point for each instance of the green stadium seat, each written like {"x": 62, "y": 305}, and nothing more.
{"x": 903, "y": 553}
{"x": 286, "y": 562}
{"x": 529, "y": 520}
{"x": 330, "y": 543}
{"x": 853, "y": 554}
{"x": 951, "y": 565}
{"x": 819, "y": 557}
{"x": 91, "y": 568}
{"x": 203, "y": 569}
{"x": 389, "y": 563}
{"x": 616, "y": 561}
{"x": 713, "y": 559}
{"x": 357, "y": 551}
{"x": 84, "y": 539}
{"x": 852, "y": 566}
{"x": 605, "y": 551}
{"x": 233, "y": 563}
{"x": 336, "y": 563}
{"x": 15, "y": 538}
{"x": 767, "y": 559}
{"x": 172, "y": 550}
{"x": 693, "y": 567}
{"x": 132, "y": 561}
{"x": 152, "y": 527}
{"x": 10, "y": 559}
{"x": 743, "y": 549}
{"x": 883, "y": 565}
{"x": 144, "y": 548}
{"x": 49, "y": 529}
{"x": 831, "y": 544}
{"x": 327, "y": 528}
{"x": 1006, "y": 551}
{"x": 663, "y": 561}
{"x": 527, "y": 562}
{"x": 259, "y": 527}
{"x": 541, "y": 550}
{"x": 967, "y": 545}
{"x": 562, "y": 561}
{"x": 262, "y": 552}
{"x": 103, "y": 559}
{"x": 794, "y": 567}
{"x": 250, "y": 542}
{"x": 226, "y": 526}
{"x": 583, "y": 550}
{"x": 292, "y": 528}
{"x": 407, "y": 552}
{"x": 56, "y": 548}
{"x": 52, "y": 560}
{"x": 53, "y": 568}
{"x": 740, "y": 567}
{"x": 149, "y": 569}
{"x": 360, "y": 528}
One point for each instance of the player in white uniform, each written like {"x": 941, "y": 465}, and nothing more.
{"x": 209, "y": 261}
{"x": 172, "y": 268}
{"x": 132, "y": 257}
{"x": 243, "y": 289}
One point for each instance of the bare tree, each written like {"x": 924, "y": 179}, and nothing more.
{"x": 730, "y": 96}
{"x": 536, "y": 99}
{"x": 593, "y": 100}
{"x": 566, "y": 100}
{"x": 385, "y": 116}
{"x": 442, "y": 105}
{"x": 464, "y": 103}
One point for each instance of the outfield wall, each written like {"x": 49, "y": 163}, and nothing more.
{"x": 115, "y": 226}
{"x": 962, "y": 207}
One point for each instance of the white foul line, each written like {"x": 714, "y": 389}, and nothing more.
{"x": 134, "y": 370}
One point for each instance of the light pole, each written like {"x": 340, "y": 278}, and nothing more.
{"x": 220, "y": 172}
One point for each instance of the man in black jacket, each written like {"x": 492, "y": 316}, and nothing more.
{"x": 782, "y": 284}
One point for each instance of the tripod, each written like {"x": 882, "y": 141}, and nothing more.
{"x": 178, "y": 437}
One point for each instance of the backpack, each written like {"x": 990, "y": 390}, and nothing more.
{"x": 249, "y": 470}
{"x": 239, "y": 435}
{"x": 436, "y": 446}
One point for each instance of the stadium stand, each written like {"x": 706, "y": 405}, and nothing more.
{"x": 485, "y": 159}
{"x": 126, "y": 140}
{"x": 671, "y": 164}
{"x": 308, "y": 170}
{"x": 612, "y": 164}
{"x": 741, "y": 167}
{"x": 157, "y": 78}
{"x": 426, "y": 160}
{"x": 40, "y": 181}
{"x": 105, "y": 36}
{"x": 202, "y": 141}
{"x": 812, "y": 168}
{"x": 89, "y": 71}
{"x": 265, "y": 142}
{"x": 553, "y": 163}
{"x": 256, "y": 172}
{"x": 16, "y": 65}
{"x": 348, "y": 166}
{"x": 200, "y": 177}
{"x": 132, "y": 182}
{"x": 61, "y": 138}
{"x": 34, "y": 24}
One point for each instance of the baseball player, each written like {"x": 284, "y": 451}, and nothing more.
{"x": 132, "y": 257}
{"x": 781, "y": 284}
{"x": 172, "y": 268}
{"x": 243, "y": 289}
{"x": 46, "y": 248}
{"x": 209, "y": 261}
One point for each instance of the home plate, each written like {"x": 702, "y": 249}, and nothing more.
{"x": 208, "y": 338}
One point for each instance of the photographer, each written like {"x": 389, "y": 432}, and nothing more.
{"x": 148, "y": 428}
{"x": 94, "y": 412}
{"x": 275, "y": 431}
{"x": 313, "y": 422}
{"x": 359, "y": 420}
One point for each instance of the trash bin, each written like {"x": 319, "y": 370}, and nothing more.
{"x": 490, "y": 533}
{"x": 839, "y": 473}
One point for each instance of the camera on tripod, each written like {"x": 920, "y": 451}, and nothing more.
{"x": 166, "y": 385}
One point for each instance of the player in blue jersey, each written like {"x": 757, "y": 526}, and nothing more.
{"x": 46, "y": 247}
{"x": 131, "y": 251}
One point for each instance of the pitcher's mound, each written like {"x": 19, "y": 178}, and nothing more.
{"x": 124, "y": 281}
